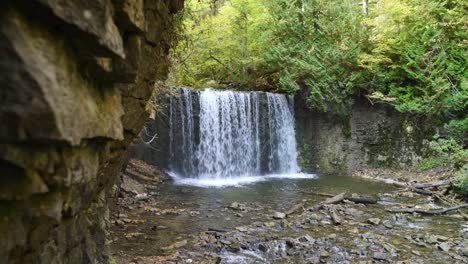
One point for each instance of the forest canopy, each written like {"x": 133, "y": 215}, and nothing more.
{"x": 411, "y": 54}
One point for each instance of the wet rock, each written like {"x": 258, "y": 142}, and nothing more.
{"x": 234, "y": 247}
{"x": 381, "y": 256}
{"x": 374, "y": 221}
{"x": 431, "y": 239}
{"x": 131, "y": 186}
{"x": 178, "y": 244}
{"x": 279, "y": 215}
{"x": 315, "y": 217}
{"x": 442, "y": 238}
{"x": 444, "y": 246}
{"x": 307, "y": 238}
{"x": 194, "y": 213}
{"x": 387, "y": 224}
{"x": 225, "y": 242}
{"x": 262, "y": 247}
{"x": 122, "y": 215}
{"x": 241, "y": 229}
{"x": 337, "y": 220}
{"x": 463, "y": 251}
{"x": 290, "y": 244}
{"x": 353, "y": 212}
{"x": 234, "y": 205}
{"x": 368, "y": 236}
{"x": 284, "y": 223}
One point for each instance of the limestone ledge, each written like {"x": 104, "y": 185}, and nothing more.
{"x": 75, "y": 77}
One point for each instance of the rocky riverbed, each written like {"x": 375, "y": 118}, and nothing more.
{"x": 168, "y": 223}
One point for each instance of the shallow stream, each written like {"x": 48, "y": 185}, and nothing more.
{"x": 186, "y": 223}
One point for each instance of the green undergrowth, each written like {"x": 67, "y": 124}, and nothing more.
{"x": 112, "y": 260}
{"x": 449, "y": 153}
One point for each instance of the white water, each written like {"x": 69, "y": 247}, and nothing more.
{"x": 227, "y": 138}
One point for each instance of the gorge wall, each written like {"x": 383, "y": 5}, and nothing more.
{"x": 373, "y": 136}
{"x": 75, "y": 76}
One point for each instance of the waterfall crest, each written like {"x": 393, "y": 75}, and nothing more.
{"x": 228, "y": 135}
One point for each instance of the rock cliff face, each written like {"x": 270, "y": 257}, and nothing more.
{"x": 373, "y": 136}
{"x": 75, "y": 78}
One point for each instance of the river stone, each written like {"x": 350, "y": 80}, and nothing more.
{"x": 262, "y": 247}
{"x": 444, "y": 246}
{"x": 381, "y": 256}
{"x": 131, "y": 186}
{"x": 374, "y": 221}
{"x": 431, "y": 239}
{"x": 308, "y": 238}
{"x": 463, "y": 251}
{"x": 279, "y": 215}
{"x": 241, "y": 229}
{"x": 442, "y": 238}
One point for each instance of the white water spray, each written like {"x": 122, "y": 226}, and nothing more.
{"x": 228, "y": 138}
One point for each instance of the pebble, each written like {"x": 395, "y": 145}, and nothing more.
{"x": 279, "y": 215}
{"x": 262, "y": 247}
{"x": 444, "y": 246}
{"x": 380, "y": 256}
{"x": 308, "y": 238}
{"x": 374, "y": 221}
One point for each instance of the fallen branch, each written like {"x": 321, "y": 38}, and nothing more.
{"x": 214, "y": 229}
{"x": 409, "y": 187}
{"x": 426, "y": 212}
{"x": 333, "y": 200}
{"x": 354, "y": 199}
{"x": 419, "y": 187}
{"x": 319, "y": 194}
{"x": 337, "y": 220}
{"x": 362, "y": 200}
{"x": 433, "y": 184}
{"x": 295, "y": 208}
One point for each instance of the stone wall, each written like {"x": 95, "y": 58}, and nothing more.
{"x": 75, "y": 78}
{"x": 373, "y": 136}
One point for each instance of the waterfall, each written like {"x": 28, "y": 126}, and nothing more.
{"x": 219, "y": 135}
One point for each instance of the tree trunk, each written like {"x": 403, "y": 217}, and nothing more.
{"x": 365, "y": 11}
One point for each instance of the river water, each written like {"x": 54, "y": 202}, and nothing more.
{"x": 172, "y": 224}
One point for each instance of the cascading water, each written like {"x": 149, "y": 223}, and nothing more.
{"x": 226, "y": 137}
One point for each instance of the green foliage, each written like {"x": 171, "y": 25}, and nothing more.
{"x": 417, "y": 54}
{"x": 222, "y": 43}
{"x": 315, "y": 45}
{"x": 445, "y": 152}
{"x": 462, "y": 179}
{"x": 112, "y": 260}
{"x": 457, "y": 129}
{"x": 411, "y": 54}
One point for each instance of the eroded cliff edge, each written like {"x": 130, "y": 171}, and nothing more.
{"x": 75, "y": 78}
